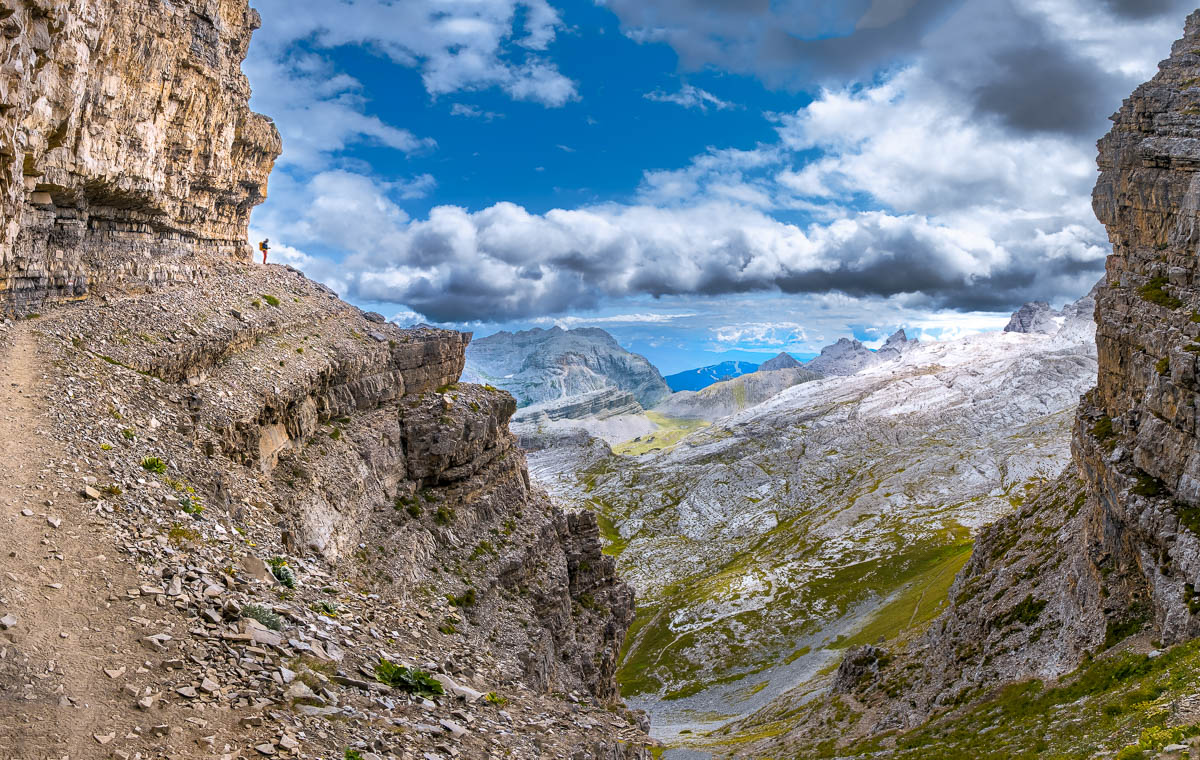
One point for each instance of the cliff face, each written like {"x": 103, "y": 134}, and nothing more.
{"x": 128, "y": 153}
{"x": 235, "y": 413}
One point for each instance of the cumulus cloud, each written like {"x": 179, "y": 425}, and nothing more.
{"x": 689, "y": 96}
{"x": 936, "y": 184}
{"x": 455, "y": 44}
{"x": 761, "y": 334}
{"x": 503, "y": 262}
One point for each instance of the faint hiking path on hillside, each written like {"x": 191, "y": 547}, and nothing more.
{"x": 63, "y": 616}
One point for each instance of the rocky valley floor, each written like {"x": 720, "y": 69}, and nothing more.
{"x": 834, "y": 513}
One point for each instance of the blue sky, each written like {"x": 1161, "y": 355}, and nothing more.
{"x": 706, "y": 179}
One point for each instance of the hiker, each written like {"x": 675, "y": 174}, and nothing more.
{"x": 264, "y": 248}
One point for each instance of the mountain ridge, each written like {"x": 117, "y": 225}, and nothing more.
{"x": 542, "y": 365}
{"x": 702, "y": 377}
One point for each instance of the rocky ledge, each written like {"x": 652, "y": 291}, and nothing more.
{"x": 340, "y": 448}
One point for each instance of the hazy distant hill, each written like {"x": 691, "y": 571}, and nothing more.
{"x": 702, "y": 377}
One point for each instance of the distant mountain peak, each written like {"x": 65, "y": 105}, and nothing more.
{"x": 702, "y": 377}
{"x": 543, "y": 365}
{"x": 782, "y": 360}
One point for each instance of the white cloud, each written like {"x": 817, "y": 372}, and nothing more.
{"x": 474, "y": 112}
{"x": 690, "y": 96}
{"x": 456, "y": 45}
{"x": 776, "y": 334}
{"x": 320, "y": 113}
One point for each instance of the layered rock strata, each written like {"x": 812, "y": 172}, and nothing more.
{"x": 128, "y": 153}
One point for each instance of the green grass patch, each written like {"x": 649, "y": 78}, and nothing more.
{"x": 1155, "y": 292}
{"x": 614, "y": 544}
{"x": 671, "y": 430}
{"x": 919, "y": 603}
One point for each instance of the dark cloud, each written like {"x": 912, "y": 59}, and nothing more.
{"x": 1024, "y": 75}
{"x": 1141, "y": 9}
{"x": 1003, "y": 58}
{"x": 790, "y": 43}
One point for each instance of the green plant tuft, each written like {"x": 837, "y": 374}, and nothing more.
{"x": 411, "y": 680}
{"x": 281, "y": 571}
{"x": 154, "y": 464}
{"x": 465, "y": 599}
{"x": 1153, "y": 291}
{"x": 263, "y": 615}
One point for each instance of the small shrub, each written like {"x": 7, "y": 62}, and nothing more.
{"x": 154, "y": 464}
{"x": 336, "y": 434}
{"x": 178, "y": 534}
{"x": 1163, "y": 366}
{"x": 1027, "y": 611}
{"x": 411, "y": 680}
{"x": 106, "y": 447}
{"x": 492, "y": 698}
{"x": 1116, "y": 632}
{"x": 1104, "y": 432}
{"x": 263, "y": 615}
{"x": 281, "y": 571}
{"x": 465, "y": 599}
{"x": 1148, "y": 485}
{"x": 112, "y": 489}
{"x": 484, "y": 547}
{"x": 192, "y": 506}
{"x": 326, "y": 608}
{"x": 129, "y": 434}
{"x": 352, "y": 754}
{"x": 409, "y": 505}
{"x": 444, "y": 515}
{"x": 272, "y": 300}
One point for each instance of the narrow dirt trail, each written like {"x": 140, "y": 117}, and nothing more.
{"x": 59, "y": 583}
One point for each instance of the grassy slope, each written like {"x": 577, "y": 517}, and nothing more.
{"x": 671, "y": 430}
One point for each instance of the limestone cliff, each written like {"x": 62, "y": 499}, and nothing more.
{"x": 128, "y": 153}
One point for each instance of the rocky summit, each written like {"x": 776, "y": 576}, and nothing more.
{"x": 243, "y": 518}
{"x": 848, "y": 356}
{"x": 782, "y": 360}
{"x": 539, "y": 365}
